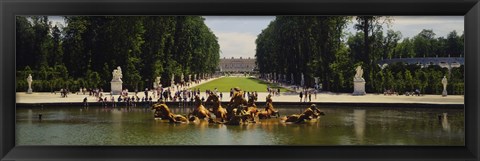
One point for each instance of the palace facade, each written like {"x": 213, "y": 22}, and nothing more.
{"x": 237, "y": 65}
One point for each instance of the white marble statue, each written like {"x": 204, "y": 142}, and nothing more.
{"x": 156, "y": 84}
{"x": 189, "y": 77}
{"x": 117, "y": 74}
{"x": 359, "y": 74}
{"x": 359, "y": 82}
{"x": 444, "y": 82}
{"x": 182, "y": 78}
{"x": 29, "y": 81}
{"x": 173, "y": 81}
{"x": 116, "y": 83}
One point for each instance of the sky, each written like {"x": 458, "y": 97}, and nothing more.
{"x": 237, "y": 34}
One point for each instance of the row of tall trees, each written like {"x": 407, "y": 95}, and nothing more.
{"x": 318, "y": 47}
{"x": 301, "y": 44}
{"x": 425, "y": 44}
{"x": 85, "y": 51}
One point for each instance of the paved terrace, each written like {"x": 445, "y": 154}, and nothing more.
{"x": 287, "y": 98}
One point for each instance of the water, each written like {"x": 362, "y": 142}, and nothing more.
{"x": 340, "y": 126}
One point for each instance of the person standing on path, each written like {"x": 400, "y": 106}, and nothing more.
{"x": 301, "y": 95}
{"x": 85, "y": 102}
{"x": 309, "y": 96}
{"x": 146, "y": 92}
{"x": 306, "y": 94}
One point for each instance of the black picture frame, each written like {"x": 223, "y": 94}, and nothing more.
{"x": 470, "y": 9}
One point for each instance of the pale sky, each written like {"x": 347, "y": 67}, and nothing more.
{"x": 237, "y": 34}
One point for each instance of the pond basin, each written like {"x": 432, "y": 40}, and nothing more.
{"x": 340, "y": 126}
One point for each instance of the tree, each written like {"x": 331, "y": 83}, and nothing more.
{"x": 302, "y": 44}
{"x": 24, "y": 42}
{"x": 423, "y": 43}
{"x": 404, "y": 49}
{"x": 157, "y": 34}
{"x": 56, "y": 50}
{"x": 370, "y": 26}
{"x": 399, "y": 83}
{"x": 409, "y": 80}
{"x": 454, "y": 44}
{"x": 86, "y": 50}
{"x": 75, "y": 55}
{"x": 42, "y": 40}
{"x": 390, "y": 43}
{"x": 342, "y": 72}
{"x": 389, "y": 79}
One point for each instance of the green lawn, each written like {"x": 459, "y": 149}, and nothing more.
{"x": 245, "y": 83}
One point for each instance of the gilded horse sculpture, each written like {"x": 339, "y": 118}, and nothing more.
{"x": 310, "y": 114}
{"x": 200, "y": 111}
{"x": 269, "y": 110}
{"x": 236, "y": 109}
{"x": 251, "y": 108}
{"x": 162, "y": 111}
{"x": 218, "y": 110}
{"x": 235, "y": 102}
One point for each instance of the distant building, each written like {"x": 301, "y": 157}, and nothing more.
{"x": 237, "y": 65}
{"x": 444, "y": 62}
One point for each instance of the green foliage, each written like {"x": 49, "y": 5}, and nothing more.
{"x": 404, "y": 49}
{"x": 93, "y": 79}
{"x": 303, "y": 44}
{"x": 342, "y": 72}
{"x": 317, "y": 47}
{"x": 88, "y": 48}
{"x": 409, "y": 80}
{"x": 423, "y": 43}
{"x": 406, "y": 78}
{"x": 399, "y": 83}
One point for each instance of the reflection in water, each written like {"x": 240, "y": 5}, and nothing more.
{"x": 117, "y": 125}
{"x": 30, "y": 116}
{"x": 341, "y": 126}
{"x": 359, "y": 124}
{"x": 201, "y": 124}
{"x": 445, "y": 124}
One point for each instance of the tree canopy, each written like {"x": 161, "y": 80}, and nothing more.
{"x": 318, "y": 46}
{"x": 88, "y": 48}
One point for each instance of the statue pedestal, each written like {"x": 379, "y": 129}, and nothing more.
{"x": 444, "y": 93}
{"x": 359, "y": 87}
{"x": 29, "y": 91}
{"x": 116, "y": 87}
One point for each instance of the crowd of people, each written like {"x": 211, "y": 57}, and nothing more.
{"x": 151, "y": 95}
{"x": 64, "y": 92}
{"x": 273, "y": 91}
{"x": 307, "y": 94}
